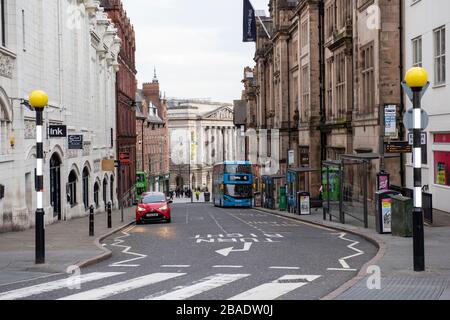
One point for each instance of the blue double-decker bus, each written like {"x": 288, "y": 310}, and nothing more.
{"x": 233, "y": 184}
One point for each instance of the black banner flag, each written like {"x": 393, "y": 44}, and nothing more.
{"x": 249, "y": 22}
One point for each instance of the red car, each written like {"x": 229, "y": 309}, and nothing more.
{"x": 154, "y": 207}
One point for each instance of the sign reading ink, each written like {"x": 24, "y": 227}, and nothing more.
{"x": 57, "y": 131}
{"x": 75, "y": 142}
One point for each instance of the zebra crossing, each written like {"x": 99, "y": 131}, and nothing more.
{"x": 274, "y": 289}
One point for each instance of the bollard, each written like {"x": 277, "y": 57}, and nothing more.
{"x": 91, "y": 221}
{"x": 109, "y": 216}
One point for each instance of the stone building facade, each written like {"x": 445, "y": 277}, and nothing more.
{"x": 425, "y": 46}
{"x": 202, "y": 133}
{"x": 125, "y": 97}
{"x": 153, "y": 136}
{"x": 323, "y": 72}
{"x": 75, "y": 62}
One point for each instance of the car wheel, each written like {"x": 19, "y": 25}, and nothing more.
{"x": 169, "y": 220}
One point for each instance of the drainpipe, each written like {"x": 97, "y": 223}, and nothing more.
{"x": 323, "y": 138}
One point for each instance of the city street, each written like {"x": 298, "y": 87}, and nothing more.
{"x": 210, "y": 253}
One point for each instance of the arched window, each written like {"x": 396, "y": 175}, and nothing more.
{"x": 5, "y": 129}
{"x": 86, "y": 188}
{"x": 72, "y": 189}
{"x": 96, "y": 191}
{"x": 111, "y": 190}
{"x": 105, "y": 191}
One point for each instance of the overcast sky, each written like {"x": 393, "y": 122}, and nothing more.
{"x": 196, "y": 46}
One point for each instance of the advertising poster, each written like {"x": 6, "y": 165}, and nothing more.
{"x": 386, "y": 208}
{"x": 390, "y": 121}
{"x": 305, "y": 205}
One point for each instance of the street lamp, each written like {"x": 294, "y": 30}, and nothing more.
{"x": 38, "y": 100}
{"x": 417, "y": 78}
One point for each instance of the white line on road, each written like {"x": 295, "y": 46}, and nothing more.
{"x": 206, "y": 284}
{"x": 275, "y": 289}
{"x": 342, "y": 261}
{"x": 55, "y": 285}
{"x": 285, "y": 268}
{"x": 176, "y": 266}
{"x": 235, "y": 267}
{"x": 118, "y": 242}
{"x": 121, "y": 287}
{"x": 341, "y": 269}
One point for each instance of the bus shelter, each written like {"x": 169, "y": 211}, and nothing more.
{"x": 270, "y": 185}
{"x": 299, "y": 180}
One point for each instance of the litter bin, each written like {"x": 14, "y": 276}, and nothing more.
{"x": 383, "y": 214}
{"x": 207, "y": 197}
{"x": 402, "y": 208}
{"x": 282, "y": 201}
{"x": 304, "y": 203}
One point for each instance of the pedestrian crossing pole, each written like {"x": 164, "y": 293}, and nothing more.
{"x": 416, "y": 78}
{"x": 38, "y": 100}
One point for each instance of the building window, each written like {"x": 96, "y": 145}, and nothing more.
{"x": 368, "y": 80}
{"x": 417, "y": 52}
{"x": 304, "y": 35}
{"x": 329, "y": 87}
{"x": 96, "y": 191}
{"x": 329, "y": 21}
{"x": 340, "y": 85}
{"x": 86, "y": 188}
{"x": 5, "y": 128}
{"x": 442, "y": 168}
{"x": 439, "y": 56}
{"x": 305, "y": 93}
{"x": 344, "y": 12}
{"x": 3, "y": 22}
{"x": 72, "y": 189}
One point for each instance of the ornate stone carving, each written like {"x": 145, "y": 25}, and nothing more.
{"x": 30, "y": 129}
{"x": 6, "y": 65}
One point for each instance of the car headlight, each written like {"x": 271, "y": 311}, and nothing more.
{"x": 164, "y": 208}
{"x": 141, "y": 209}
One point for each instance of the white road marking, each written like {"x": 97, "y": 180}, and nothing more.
{"x": 341, "y": 269}
{"x": 343, "y": 261}
{"x": 121, "y": 287}
{"x": 285, "y": 268}
{"x": 118, "y": 242}
{"x": 225, "y": 252}
{"x": 176, "y": 266}
{"x": 275, "y": 289}
{"x": 235, "y": 267}
{"x": 206, "y": 284}
{"x": 54, "y": 285}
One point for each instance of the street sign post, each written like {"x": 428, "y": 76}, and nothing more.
{"x": 398, "y": 147}
{"x": 423, "y": 138}
{"x": 408, "y": 119}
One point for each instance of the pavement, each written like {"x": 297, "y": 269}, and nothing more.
{"x": 67, "y": 243}
{"x": 394, "y": 262}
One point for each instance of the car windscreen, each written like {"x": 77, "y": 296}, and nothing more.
{"x": 154, "y": 199}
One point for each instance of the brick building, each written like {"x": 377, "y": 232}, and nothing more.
{"x": 323, "y": 72}
{"x": 152, "y": 136}
{"x": 126, "y": 87}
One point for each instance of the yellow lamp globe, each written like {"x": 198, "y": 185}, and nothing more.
{"x": 416, "y": 77}
{"x": 38, "y": 99}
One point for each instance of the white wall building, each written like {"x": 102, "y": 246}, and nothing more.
{"x": 68, "y": 49}
{"x": 202, "y": 133}
{"x": 427, "y": 31}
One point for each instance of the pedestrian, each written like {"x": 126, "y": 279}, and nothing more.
{"x": 197, "y": 194}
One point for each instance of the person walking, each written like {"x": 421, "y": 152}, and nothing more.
{"x": 197, "y": 195}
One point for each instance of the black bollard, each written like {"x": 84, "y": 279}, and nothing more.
{"x": 91, "y": 221}
{"x": 109, "y": 216}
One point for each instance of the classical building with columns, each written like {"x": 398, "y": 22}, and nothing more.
{"x": 202, "y": 133}
{"x": 68, "y": 49}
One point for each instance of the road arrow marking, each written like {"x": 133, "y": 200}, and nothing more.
{"x": 225, "y": 252}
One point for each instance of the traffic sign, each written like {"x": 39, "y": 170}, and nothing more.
{"x": 408, "y": 119}
{"x": 423, "y": 138}
{"x": 398, "y": 147}
{"x": 409, "y": 91}
{"x": 124, "y": 158}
